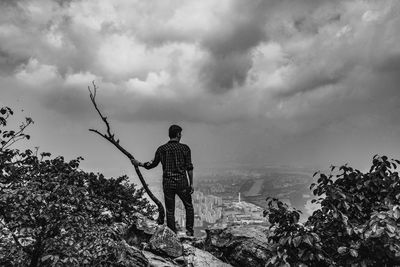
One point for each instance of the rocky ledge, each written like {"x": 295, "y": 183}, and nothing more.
{"x": 157, "y": 246}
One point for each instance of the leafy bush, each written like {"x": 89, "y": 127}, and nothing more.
{"x": 53, "y": 213}
{"x": 357, "y": 224}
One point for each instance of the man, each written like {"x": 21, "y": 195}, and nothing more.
{"x": 176, "y": 161}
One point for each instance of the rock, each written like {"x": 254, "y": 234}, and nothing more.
{"x": 140, "y": 231}
{"x": 166, "y": 242}
{"x": 130, "y": 256}
{"x": 199, "y": 243}
{"x": 239, "y": 245}
{"x": 198, "y": 258}
{"x": 158, "y": 261}
{"x": 146, "y": 225}
{"x": 183, "y": 237}
{"x": 236, "y": 245}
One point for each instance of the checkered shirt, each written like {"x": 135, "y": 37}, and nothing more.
{"x": 176, "y": 160}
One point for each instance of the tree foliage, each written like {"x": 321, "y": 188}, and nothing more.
{"x": 357, "y": 223}
{"x": 53, "y": 213}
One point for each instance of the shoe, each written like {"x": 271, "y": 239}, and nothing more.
{"x": 189, "y": 233}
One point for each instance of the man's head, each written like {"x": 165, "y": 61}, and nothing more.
{"x": 174, "y": 131}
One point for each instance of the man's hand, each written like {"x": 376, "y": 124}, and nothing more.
{"x": 191, "y": 189}
{"x": 146, "y": 164}
{"x": 135, "y": 162}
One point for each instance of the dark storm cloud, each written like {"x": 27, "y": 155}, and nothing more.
{"x": 72, "y": 102}
{"x": 391, "y": 65}
{"x": 242, "y": 29}
{"x": 278, "y": 79}
{"x": 191, "y": 111}
{"x": 9, "y": 62}
{"x": 307, "y": 83}
{"x": 199, "y": 52}
{"x": 225, "y": 72}
{"x": 308, "y": 25}
{"x": 13, "y": 3}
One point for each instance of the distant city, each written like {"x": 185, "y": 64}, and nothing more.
{"x": 238, "y": 195}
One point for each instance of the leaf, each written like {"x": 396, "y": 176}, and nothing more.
{"x": 354, "y": 253}
{"x": 391, "y": 228}
{"x": 296, "y": 241}
{"x": 342, "y": 250}
{"x": 301, "y": 253}
{"x": 349, "y": 230}
{"x": 374, "y": 227}
{"x": 316, "y": 237}
{"x": 381, "y": 216}
{"x": 396, "y": 213}
{"x": 283, "y": 240}
{"x": 307, "y": 240}
{"x": 368, "y": 234}
{"x": 273, "y": 259}
{"x": 379, "y": 232}
{"x": 44, "y": 258}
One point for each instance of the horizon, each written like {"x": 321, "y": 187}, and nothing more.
{"x": 302, "y": 84}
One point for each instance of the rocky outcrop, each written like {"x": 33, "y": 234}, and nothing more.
{"x": 139, "y": 233}
{"x": 166, "y": 242}
{"x": 223, "y": 247}
{"x": 239, "y": 245}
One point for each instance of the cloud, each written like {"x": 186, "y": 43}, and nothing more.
{"x": 35, "y": 75}
{"x": 211, "y": 61}
{"x": 262, "y": 81}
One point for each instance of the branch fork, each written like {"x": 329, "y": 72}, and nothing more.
{"x": 109, "y": 136}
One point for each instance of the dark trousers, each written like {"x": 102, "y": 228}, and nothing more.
{"x": 183, "y": 192}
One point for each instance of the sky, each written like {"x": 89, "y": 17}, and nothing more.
{"x": 281, "y": 82}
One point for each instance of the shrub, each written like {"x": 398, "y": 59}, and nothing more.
{"x": 53, "y": 213}
{"x": 356, "y": 225}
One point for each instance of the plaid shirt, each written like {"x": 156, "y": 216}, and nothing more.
{"x": 175, "y": 159}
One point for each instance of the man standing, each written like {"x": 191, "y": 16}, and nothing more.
{"x": 176, "y": 161}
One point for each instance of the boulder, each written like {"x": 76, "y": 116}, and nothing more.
{"x": 195, "y": 257}
{"x": 158, "y": 261}
{"x": 239, "y": 245}
{"x": 145, "y": 225}
{"x": 165, "y": 242}
{"x": 140, "y": 232}
{"x": 130, "y": 256}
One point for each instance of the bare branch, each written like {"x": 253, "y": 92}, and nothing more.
{"x": 93, "y": 99}
{"x": 14, "y": 140}
{"x": 17, "y": 136}
{"x": 109, "y": 136}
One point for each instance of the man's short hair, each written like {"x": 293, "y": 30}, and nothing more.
{"x": 174, "y": 130}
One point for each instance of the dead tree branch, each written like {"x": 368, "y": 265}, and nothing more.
{"x": 109, "y": 136}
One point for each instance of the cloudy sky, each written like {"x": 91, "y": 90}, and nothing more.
{"x": 304, "y": 82}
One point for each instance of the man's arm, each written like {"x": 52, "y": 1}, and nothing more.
{"x": 189, "y": 169}
{"x": 190, "y": 174}
{"x": 148, "y": 165}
